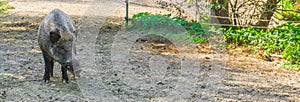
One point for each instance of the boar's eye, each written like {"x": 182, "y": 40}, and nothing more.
{"x": 54, "y": 37}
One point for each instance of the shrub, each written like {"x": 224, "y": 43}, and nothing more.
{"x": 292, "y": 53}
{"x": 287, "y": 12}
{"x": 169, "y": 26}
{"x": 283, "y": 39}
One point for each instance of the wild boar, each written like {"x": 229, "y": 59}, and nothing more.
{"x": 56, "y": 39}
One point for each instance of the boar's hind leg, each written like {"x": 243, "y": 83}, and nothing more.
{"x": 48, "y": 67}
{"x": 51, "y": 68}
{"x": 64, "y": 74}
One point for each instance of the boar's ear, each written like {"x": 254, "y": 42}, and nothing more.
{"x": 75, "y": 32}
{"x": 54, "y": 37}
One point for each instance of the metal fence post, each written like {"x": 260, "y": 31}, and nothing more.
{"x": 126, "y": 18}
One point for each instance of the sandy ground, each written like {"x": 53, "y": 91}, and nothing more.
{"x": 117, "y": 66}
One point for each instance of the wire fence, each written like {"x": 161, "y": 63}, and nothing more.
{"x": 272, "y": 22}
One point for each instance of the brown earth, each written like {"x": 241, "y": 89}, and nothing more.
{"x": 148, "y": 70}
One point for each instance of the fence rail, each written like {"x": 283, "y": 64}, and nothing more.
{"x": 231, "y": 18}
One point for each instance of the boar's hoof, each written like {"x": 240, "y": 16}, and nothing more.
{"x": 65, "y": 81}
{"x": 46, "y": 81}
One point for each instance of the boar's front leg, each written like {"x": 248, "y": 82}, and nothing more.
{"x": 64, "y": 74}
{"x": 48, "y": 67}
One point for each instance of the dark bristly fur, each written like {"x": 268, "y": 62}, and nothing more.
{"x": 56, "y": 38}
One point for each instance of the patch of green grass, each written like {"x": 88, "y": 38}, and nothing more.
{"x": 4, "y": 6}
{"x": 290, "y": 65}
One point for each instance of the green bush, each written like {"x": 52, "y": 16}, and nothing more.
{"x": 292, "y": 53}
{"x": 169, "y": 26}
{"x": 288, "y": 12}
{"x": 243, "y": 36}
{"x": 282, "y": 36}
{"x": 155, "y": 23}
{"x": 283, "y": 39}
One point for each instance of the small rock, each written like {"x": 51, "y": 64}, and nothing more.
{"x": 3, "y": 93}
{"x": 204, "y": 98}
{"x": 52, "y": 85}
{"x": 6, "y": 69}
{"x": 160, "y": 83}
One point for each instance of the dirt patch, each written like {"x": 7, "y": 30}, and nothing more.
{"x": 154, "y": 70}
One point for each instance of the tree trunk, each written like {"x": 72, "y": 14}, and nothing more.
{"x": 269, "y": 9}
{"x": 222, "y": 11}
